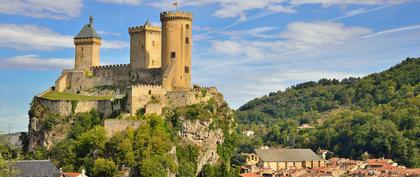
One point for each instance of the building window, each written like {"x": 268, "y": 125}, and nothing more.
{"x": 187, "y": 40}
{"x": 153, "y": 62}
{"x": 187, "y": 26}
{"x": 187, "y": 69}
{"x": 173, "y": 55}
{"x": 150, "y": 92}
{"x": 142, "y": 47}
{"x": 153, "y": 43}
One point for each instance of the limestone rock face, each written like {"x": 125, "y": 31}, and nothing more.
{"x": 199, "y": 133}
{"x": 38, "y": 135}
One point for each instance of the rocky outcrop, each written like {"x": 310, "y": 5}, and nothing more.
{"x": 199, "y": 133}
{"x": 39, "y": 133}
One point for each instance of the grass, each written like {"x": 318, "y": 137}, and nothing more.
{"x": 54, "y": 95}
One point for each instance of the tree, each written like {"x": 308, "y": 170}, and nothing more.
{"x": 104, "y": 168}
{"x": 6, "y": 170}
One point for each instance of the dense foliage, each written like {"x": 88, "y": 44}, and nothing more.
{"x": 152, "y": 150}
{"x": 145, "y": 149}
{"x": 378, "y": 114}
{"x": 7, "y": 153}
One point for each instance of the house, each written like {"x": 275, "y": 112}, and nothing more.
{"x": 73, "y": 174}
{"x": 250, "y": 158}
{"x": 35, "y": 168}
{"x": 279, "y": 159}
{"x": 323, "y": 153}
{"x": 249, "y": 175}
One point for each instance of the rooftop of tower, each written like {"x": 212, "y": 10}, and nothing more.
{"x": 147, "y": 26}
{"x": 176, "y": 15}
{"x": 88, "y": 31}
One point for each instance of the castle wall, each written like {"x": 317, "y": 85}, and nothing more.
{"x": 111, "y": 75}
{"x": 153, "y": 108}
{"x": 114, "y": 126}
{"x": 61, "y": 82}
{"x": 190, "y": 97}
{"x": 65, "y": 108}
{"x": 118, "y": 76}
{"x": 140, "y": 95}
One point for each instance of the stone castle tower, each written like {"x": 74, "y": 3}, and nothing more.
{"x": 145, "y": 46}
{"x": 176, "y": 49}
{"x": 87, "y": 45}
{"x": 158, "y": 75}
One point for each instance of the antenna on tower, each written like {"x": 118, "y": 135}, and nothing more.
{"x": 90, "y": 20}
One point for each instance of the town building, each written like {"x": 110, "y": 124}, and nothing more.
{"x": 279, "y": 159}
{"x": 35, "y": 168}
{"x": 340, "y": 167}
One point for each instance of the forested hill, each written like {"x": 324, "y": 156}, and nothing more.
{"x": 398, "y": 82}
{"x": 378, "y": 114}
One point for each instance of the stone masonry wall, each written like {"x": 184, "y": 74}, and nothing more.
{"x": 113, "y": 126}
{"x": 140, "y": 95}
{"x": 115, "y": 76}
{"x": 65, "y": 108}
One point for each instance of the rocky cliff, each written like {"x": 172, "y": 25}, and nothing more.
{"x": 201, "y": 127}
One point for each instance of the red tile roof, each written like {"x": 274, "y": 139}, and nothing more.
{"x": 70, "y": 174}
{"x": 249, "y": 175}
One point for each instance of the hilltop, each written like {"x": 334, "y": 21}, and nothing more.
{"x": 378, "y": 114}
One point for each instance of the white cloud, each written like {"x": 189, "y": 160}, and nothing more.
{"x": 54, "y": 9}
{"x": 395, "y": 30}
{"x": 230, "y": 8}
{"x": 114, "y": 44}
{"x": 34, "y": 62}
{"x": 28, "y": 37}
{"x": 297, "y": 36}
{"x": 328, "y": 3}
{"x": 304, "y": 35}
{"x": 336, "y": 51}
{"x": 128, "y": 2}
{"x": 107, "y": 33}
{"x": 360, "y": 11}
{"x": 241, "y": 8}
{"x": 256, "y": 32}
{"x": 236, "y": 48}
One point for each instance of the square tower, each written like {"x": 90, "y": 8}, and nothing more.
{"x": 145, "y": 46}
{"x": 87, "y": 45}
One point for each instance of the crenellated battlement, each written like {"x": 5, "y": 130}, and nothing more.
{"x": 136, "y": 29}
{"x": 110, "y": 66}
{"x": 176, "y": 15}
{"x": 145, "y": 86}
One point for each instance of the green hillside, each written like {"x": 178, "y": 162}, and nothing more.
{"x": 378, "y": 114}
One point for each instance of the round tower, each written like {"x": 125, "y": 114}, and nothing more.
{"x": 176, "y": 49}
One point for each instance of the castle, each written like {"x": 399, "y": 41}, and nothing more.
{"x": 158, "y": 75}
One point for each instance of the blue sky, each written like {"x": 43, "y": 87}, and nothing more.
{"x": 246, "y": 48}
